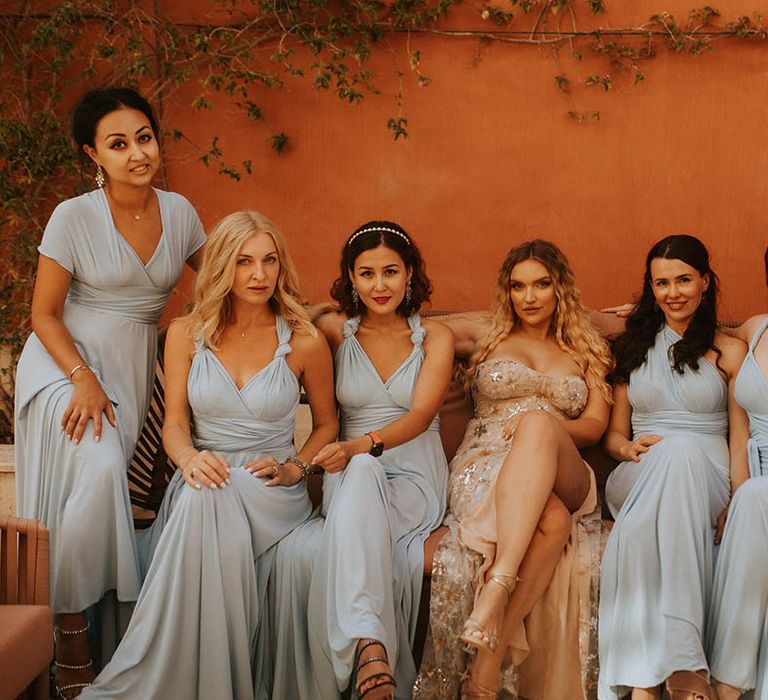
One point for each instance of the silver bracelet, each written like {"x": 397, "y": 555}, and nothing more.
{"x": 76, "y": 368}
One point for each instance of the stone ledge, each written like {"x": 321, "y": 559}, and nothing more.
{"x": 7, "y": 462}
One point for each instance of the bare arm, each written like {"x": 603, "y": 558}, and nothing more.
{"x": 468, "y": 330}
{"x": 618, "y": 441}
{"x": 588, "y": 428}
{"x": 88, "y": 399}
{"x": 431, "y": 387}
{"x": 733, "y": 355}
{"x": 200, "y": 468}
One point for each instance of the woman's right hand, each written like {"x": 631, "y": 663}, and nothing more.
{"x": 642, "y": 443}
{"x": 89, "y": 402}
{"x": 205, "y": 468}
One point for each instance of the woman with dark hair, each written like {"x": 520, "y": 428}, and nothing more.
{"x": 674, "y": 409}
{"x": 348, "y": 583}
{"x": 109, "y": 259}
{"x": 737, "y": 627}
{"x": 512, "y": 576}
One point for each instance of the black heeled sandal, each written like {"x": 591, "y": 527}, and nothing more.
{"x": 378, "y": 680}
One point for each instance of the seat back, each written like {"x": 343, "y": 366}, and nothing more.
{"x": 24, "y": 567}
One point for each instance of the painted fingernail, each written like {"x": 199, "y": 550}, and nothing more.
{"x": 97, "y": 438}
{"x": 229, "y": 469}
{"x": 198, "y": 486}
{"x": 229, "y": 481}
{"x": 223, "y": 484}
{"x": 75, "y": 441}
{"x": 213, "y": 485}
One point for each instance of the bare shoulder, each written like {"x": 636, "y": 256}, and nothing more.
{"x": 437, "y": 331}
{"x": 331, "y": 325}
{"x": 179, "y": 330}
{"x": 304, "y": 342}
{"x": 746, "y": 331}
{"x": 733, "y": 351}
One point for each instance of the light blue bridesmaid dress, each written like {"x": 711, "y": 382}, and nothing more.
{"x": 738, "y": 620}
{"x": 114, "y": 303}
{"x": 657, "y": 567}
{"x": 356, "y": 572}
{"x": 200, "y": 627}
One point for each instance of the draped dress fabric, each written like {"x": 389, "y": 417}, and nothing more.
{"x": 553, "y": 655}
{"x": 738, "y": 618}
{"x": 356, "y": 570}
{"x": 114, "y": 302}
{"x": 199, "y": 629}
{"x": 657, "y": 568}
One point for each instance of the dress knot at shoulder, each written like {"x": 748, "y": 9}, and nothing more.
{"x": 284, "y": 334}
{"x": 418, "y": 333}
{"x": 350, "y": 326}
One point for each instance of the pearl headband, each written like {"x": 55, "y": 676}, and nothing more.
{"x": 380, "y": 229}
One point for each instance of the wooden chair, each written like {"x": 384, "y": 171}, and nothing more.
{"x": 26, "y": 621}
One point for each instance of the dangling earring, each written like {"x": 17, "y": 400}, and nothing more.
{"x": 408, "y": 293}
{"x": 355, "y": 297}
{"x": 100, "y": 179}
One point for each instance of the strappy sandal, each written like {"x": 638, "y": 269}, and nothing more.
{"x": 379, "y": 679}
{"x": 58, "y": 633}
{"x": 473, "y": 634}
{"x": 689, "y": 685}
{"x": 476, "y": 691}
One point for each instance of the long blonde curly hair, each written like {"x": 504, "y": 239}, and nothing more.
{"x": 571, "y": 326}
{"x": 212, "y": 308}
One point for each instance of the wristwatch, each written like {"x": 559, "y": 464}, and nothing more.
{"x": 377, "y": 446}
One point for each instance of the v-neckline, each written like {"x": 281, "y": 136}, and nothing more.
{"x": 384, "y": 383}
{"x": 124, "y": 241}
{"x": 751, "y": 352}
{"x": 241, "y": 389}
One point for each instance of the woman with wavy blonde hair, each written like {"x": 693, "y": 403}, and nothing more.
{"x": 234, "y": 368}
{"x": 213, "y": 308}
{"x": 516, "y": 549}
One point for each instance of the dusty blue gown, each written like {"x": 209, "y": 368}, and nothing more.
{"x": 657, "y": 568}
{"x": 738, "y": 620}
{"x": 356, "y": 570}
{"x": 200, "y": 627}
{"x": 114, "y": 303}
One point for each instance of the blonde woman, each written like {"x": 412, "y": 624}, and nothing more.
{"x": 234, "y": 369}
{"x": 517, "y": 491}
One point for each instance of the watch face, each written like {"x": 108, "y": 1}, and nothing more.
{"x": 377, "y": 449}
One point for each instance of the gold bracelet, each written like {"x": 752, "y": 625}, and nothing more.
{"x": 306, "y": 468}
{"x": 77, "y": 368}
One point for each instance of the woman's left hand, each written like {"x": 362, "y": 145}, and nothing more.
{"x": 335, "y": 456}
{"x": 276, "y": 473}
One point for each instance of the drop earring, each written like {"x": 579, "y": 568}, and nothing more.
{"x": 355, "y": 297}
{"x": 100, "y": 178}
{"x": 408, "y": 293}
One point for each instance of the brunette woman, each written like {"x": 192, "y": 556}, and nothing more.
{"x": 108, "y": 262}
{"x": 349, "y": 582}
{"x": 738, "y": 616}
{"x": 674, "y": 407}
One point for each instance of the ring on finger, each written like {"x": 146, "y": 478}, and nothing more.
{"x": 275, "y": 470}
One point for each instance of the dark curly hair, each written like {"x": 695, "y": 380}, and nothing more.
{"x": 400, "y": 242}
{"x": 631, "y": 347}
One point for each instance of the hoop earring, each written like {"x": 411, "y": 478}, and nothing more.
{"x": 355, "y": 297}
{"x": 100, "y": 178}
{"x": 408, "y": 293}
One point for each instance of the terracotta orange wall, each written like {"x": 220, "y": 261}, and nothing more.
{"x": 493, "y": 160}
